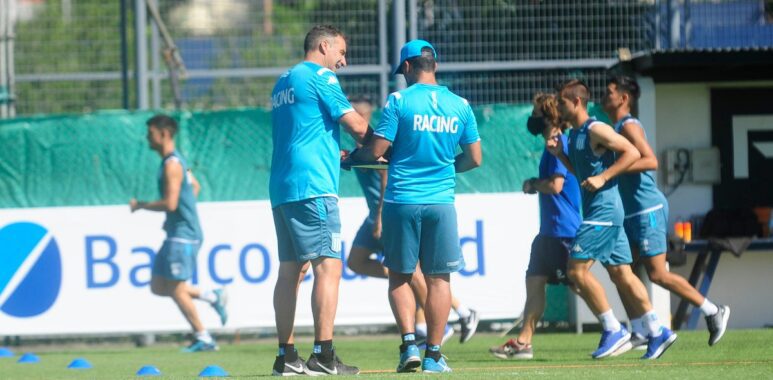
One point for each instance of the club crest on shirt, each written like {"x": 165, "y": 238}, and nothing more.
{"x": 580, "y": 142}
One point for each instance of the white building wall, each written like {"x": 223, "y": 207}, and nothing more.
{"x": 682, "y": 119}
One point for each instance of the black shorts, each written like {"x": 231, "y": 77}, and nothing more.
{"x": 548, "y": 258}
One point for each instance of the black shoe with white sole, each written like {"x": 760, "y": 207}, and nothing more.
{"x": 283, "y": 368}
{"x": 469, "y": 326}
{"x": 316, "y": 367}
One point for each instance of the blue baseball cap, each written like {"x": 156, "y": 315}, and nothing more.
{"x": 412, "y": 49}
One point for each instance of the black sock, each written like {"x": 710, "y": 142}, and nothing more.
{"x": 324, "y": 350}
{"x": 288, "y": 349}
{"x": 408, "y": 340}
{"x": 433, "y": 352}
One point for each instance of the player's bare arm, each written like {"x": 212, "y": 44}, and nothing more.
{"x": 551, "y": 186}
{"x": 357, "y": 126}
{"x": 382, "y": 174}
{"x": 373, "y": 151}
{"x": 603, "y": 137}
{"x": 195, "y": 185}
{"x": 635, "y": 134}
{"x": 470, "y": 158}
{"x": 555, "y": 147}
{"x": 173, "y": 178}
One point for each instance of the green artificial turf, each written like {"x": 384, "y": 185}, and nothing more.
{"x": 741, "y": 354}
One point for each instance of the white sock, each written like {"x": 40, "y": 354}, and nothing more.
{"x": 462, "y": 311}
{"x": 421, "y": 329}
{"x": 708, "y": 307}
{"x": 204, "y": 336}
{"x": 608, "y": 321}
{"x": 208, "y": 296}
{"x": 638, "y": 327}
{"x": 651, "y": 324}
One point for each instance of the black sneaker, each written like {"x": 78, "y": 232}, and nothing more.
{"x": 717, "y": 324}
{"x": 315, "y": 367}
{"x": 469, "y": 326}
{"x": 296, "y": 368}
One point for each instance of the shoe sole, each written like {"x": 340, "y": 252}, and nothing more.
{"x": 429, "y": 371}
{"x": 286, "y": 374}
{"x": 410, "y": 365}
{"x": 613, "y": 348}
{"x": 663, "y": 348}
{"x": 312, "y": 372}
{"x": 725, "y": 319}
{"x": 470, "y": 331}
{"x": 514, "y": 357}
{"x": 628, "y": 346}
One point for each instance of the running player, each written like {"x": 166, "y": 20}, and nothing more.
{"x": 175, "y": 262}
{"x": 646, "y": 211}
{"x": 559, "y": 201}
{"x": 593, "y": 146}
{"x": 308, "y": 105}
{"x": 424, "y": 124}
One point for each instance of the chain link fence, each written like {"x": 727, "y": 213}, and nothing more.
{"x": 68, "y": 57}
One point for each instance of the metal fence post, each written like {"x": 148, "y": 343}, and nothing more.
{"x": 413, "y": 17}
{"x": 398, "y": 21}
{"x": 3, "y": 45}
{"x": 7, "y": 78}
{"x": 124, "y": 57}
{"x": 141, "y": 61}
{"x": 383, "y": 61}
{"x": 155, "y": 62}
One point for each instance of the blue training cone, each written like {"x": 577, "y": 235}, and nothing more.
{"x": 29, "y": 357}
{"x": 5, "y": 352}
{"x": 148, "y": 370}
{"x": 213, "y": 371}
{"x": 79, "y": 363}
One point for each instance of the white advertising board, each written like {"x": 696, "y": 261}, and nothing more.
{"x": 87, "y": 269}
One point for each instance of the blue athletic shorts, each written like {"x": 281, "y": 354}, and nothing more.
{"x": 308, "y": 229}
{"x": 605, "y": 244}
{"x": 176, "y": 260}
{"x": 548, "y": 258}
{"x": 364, "y": 237}
{"x": 648, "y": 232}
{"x": 421, "y": 233}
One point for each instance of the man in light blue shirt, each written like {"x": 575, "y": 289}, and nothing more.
{"x": 308, "y": 105}
{"x": 424, "y": 124}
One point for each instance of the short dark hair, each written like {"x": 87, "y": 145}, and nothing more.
{"x": 626, "y": 84}
{"x": 162, "y": 121}
{"x": 425, "y": 62}
{"x": 629, "y": 86}
{"x": 317, "y": 34}
{"x": 576, "y": 88}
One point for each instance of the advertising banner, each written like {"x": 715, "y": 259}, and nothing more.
{"x": 87, "y": 269}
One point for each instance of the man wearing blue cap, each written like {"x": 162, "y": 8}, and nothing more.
{"x": 308, "y": 105}
{"x": 424, "y": 124}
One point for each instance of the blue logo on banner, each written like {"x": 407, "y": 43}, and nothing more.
{"x": 29, "y": 284}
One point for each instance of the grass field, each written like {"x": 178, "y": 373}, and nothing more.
{"x": 742, "y": 354}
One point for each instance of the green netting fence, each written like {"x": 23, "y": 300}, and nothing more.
{"x": 103, "y": 158}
